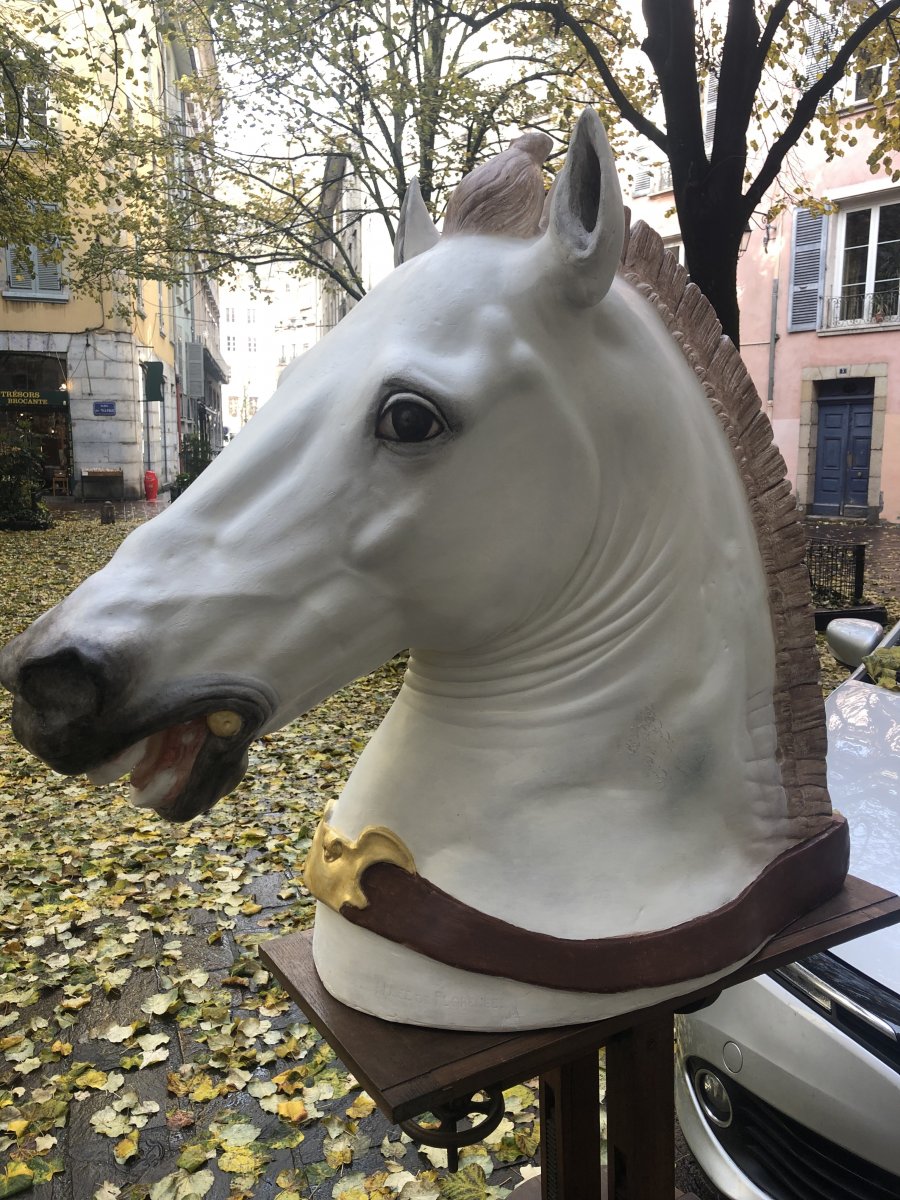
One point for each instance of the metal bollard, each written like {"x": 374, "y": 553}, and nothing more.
{"x": 108, "y": 513}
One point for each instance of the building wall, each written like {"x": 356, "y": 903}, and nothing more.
{"x": 788, "y": 367}
{"x": 112, "y": 423}
{"x": 264, "y": 329}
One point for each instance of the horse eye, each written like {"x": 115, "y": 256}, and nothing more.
{"x": 409, "y": 419}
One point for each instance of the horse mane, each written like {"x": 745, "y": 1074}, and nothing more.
{"x": 505, "y": 195}
{"x": 799, "y": 708}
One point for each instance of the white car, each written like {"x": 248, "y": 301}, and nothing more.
{"x": 788, "y": 1087}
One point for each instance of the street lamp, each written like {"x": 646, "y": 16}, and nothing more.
{"x": 745, "y": 239}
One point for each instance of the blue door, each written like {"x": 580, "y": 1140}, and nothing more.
{"x": 842, "y": 457}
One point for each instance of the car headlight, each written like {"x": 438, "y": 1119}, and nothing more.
{"x": 862, "y": 1008}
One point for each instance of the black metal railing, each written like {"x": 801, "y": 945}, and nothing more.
{"x": 836, "y": 574}
{"x": 858, "y": 308}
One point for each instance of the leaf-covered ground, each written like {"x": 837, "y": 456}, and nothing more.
{"x": 144, "y": 1052}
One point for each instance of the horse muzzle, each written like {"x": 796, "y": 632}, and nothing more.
{"x": 85, "y": 709}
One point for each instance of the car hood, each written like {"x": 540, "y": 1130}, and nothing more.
{"x": 864, "y": 781}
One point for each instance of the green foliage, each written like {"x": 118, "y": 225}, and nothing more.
{"x": 781, "y": 72}
{"x": 118, "y": 187}
{"x": 21, "y": 479}
{"x": 371, "y": 92}
{"x": 196, "y": 455}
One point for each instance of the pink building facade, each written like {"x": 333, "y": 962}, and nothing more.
{"x": 820, "y": 329}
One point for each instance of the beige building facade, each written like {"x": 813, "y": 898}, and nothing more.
{"x": 112, "y": 385}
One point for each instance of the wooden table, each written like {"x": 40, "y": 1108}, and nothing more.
{"x": 407, "y": 1070}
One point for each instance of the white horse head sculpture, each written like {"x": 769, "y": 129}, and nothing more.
{"x": 603, "y": 778}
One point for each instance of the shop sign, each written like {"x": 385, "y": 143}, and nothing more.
{"x": 33, "y": 398}
{"x": 104, "y": 408}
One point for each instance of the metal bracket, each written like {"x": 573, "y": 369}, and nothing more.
{"x": 447, "y": 1136}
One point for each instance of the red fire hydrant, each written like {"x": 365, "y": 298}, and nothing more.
{"x": 151, "y": 485}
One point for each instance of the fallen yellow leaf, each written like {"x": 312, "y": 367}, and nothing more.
{"x": 363, "y": 1106}
{"x": 292, "y": 1110}
{"x": 127, "y": 1148}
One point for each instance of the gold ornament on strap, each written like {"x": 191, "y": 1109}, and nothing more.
{"x": 335, "y": 864}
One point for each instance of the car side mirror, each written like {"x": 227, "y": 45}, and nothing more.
{"x": 850, "y": 639}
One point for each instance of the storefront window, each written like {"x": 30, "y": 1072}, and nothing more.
{"x": 33, "y": 394}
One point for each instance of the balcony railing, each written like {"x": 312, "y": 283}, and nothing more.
{"x": 860, "y": 311}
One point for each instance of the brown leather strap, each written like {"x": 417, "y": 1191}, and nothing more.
{"x": 408, "y": 909}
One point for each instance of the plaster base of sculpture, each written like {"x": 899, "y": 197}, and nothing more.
{"x": 396, "y": 984}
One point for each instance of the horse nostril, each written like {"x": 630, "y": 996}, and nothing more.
{"x": 64, "y": 681}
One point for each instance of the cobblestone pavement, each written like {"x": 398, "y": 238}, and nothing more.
{"x": 125, "y": 510}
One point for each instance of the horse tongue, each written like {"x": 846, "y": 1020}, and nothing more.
{"x": 167, "y": 762}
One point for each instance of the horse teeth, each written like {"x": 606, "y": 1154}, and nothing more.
{"x": 223, "y": 724}
{"x": 119, "y": 766}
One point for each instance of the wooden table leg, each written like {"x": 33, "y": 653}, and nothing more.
{"x": 570, "y": 1131}
{"x": 639, "y": 1116}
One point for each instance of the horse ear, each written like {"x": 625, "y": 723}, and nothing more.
{"x": 586, "y": 218}
{"x": 416, "y": 232}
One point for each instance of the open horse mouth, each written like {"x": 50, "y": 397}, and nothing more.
{"x": 183, "y": 769}
{"x": 183, "y": 750}
{"x": 184, "y": 759}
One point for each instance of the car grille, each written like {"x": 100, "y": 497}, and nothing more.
{"x": 790, "y": 1162}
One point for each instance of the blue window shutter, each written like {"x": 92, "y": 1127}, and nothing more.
{"x": 807, "y": 269}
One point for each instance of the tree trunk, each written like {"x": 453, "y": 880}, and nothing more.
{"x": 711, "y": 214}
{"x": 712, "y": 251}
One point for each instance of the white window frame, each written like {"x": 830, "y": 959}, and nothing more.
{"x": 851, "y": 82}
{"x": 662, "y": 179}
{"x": 28, "y": 112}
{"x": 868, "y": 319}
{"x": 674, "y": 245}
{"x": 31, "y": 290}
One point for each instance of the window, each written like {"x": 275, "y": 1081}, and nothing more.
{"x": 32, "y": 275}
{"x": 139, "y": 302}
{"x": 24, "y": 113}
{"x": 663, "y": 178}
{"x": 234, "y": 405}
{"x": 649, "y": 181}
{"x": 252, "y": 405}
{"x": 709, "y": 110}
{"x": 675, "y": 246}
{"x": 810, "y": 238}
{"x": 251, "y": 316}
{"x": 231, "y": 345}
{"x": 819, "y": 49}
{"x": 229, "y": 316}
{"x": 867, "y": 287}
{"x": 871, "y": 78}
{"x": 251, "y": 345}
{"x": 643, "y": 182}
